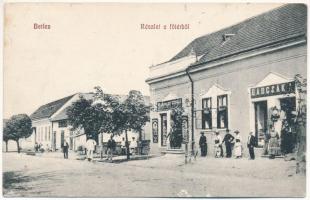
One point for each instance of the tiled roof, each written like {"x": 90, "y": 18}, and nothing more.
{"x": 63, "y": 114}
{"x": 49, "y": 109}
{"x": 275, "y": 26}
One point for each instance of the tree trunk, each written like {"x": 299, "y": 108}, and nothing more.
{"x": 18, "y": 149}
{"x": 301, "y": 150}
{"x": 127, "y": 145}
{"x": 6, "y": 146}
{"x": 101, "y": 145}
{"x": 140, "y": 142}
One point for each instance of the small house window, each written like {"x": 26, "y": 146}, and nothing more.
{"x": 62, "y": 123}
{"x": 207, "y": 113}
{"x": 45, "y": 134}
{"x": 222, "y": 111}
{"x": 41, "y": 134}
{"x": 38, "y": 134}
{"x": 49, "y": 133}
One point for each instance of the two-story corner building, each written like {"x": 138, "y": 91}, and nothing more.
{"x": 232, "y": 79}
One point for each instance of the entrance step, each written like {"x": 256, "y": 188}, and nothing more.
{"x": 173, "y": 151}
{"x": 267, "y": 156}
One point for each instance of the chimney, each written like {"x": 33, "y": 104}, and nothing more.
{"x": 227, "y": 36}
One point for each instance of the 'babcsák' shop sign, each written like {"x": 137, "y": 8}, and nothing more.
{"x": 271, "y": 90}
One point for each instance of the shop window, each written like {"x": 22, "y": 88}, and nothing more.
{"x": 62, "y": 124}
{"x": 222, "y": 111}
{"x": 206, "y": 113}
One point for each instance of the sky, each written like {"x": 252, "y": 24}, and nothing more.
{"x": 98, "y": 44}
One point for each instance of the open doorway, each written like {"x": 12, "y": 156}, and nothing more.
{"x": 260, "y": 122}
{"x": 163, "y": 121}
{"x": 288, "y": 137}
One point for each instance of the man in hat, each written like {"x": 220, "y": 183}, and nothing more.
{"x": 228, "y": 139}
{"x": 203, "y": 144}
{"x": 251, "y": 144}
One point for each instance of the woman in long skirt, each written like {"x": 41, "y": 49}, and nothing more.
{"x": 274, "y": 146}
{"x": 217, "y": 145}
{"x": 238, "y": 145}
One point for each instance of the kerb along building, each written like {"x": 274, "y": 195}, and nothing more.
{"x": 234, "y": 78}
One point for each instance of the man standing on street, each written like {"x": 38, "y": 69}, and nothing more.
{"x": 228, "y": 139}
{"x": 251, "y": 144}
{"x": 203, "y": 144}
{"x": 65, "y": 149}
{"x": 111, "y": 148}
{"x": 90, "y": 145}
{"x": 123, "y": 146}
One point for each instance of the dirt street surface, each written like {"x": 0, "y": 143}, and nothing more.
{"x": 165, "y": 176}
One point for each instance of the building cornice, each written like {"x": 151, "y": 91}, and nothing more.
{"x": 229, "y": 59}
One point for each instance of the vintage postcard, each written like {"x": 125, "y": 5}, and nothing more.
{"x": 154, "y": 100}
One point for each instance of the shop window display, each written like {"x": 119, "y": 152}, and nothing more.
{"x": 222, "y": 112}
{"x": 207, "y": 113}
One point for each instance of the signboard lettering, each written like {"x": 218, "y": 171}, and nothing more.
{"x": 270, "y": 90}
{"x": 167, "y": 105}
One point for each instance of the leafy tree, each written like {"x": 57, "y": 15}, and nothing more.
{"x": 175, "y": 136}
{"x": 137, "y": 113}
{"x": 88, "y": 115}
{"x": 301, "y": 122}
{"x": 107, "y": 113}
{"x": 17, "y": 127}
{"x": 131, "y": 114}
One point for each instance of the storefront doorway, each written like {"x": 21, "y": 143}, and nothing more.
{"x": 288, "y": 137}
{"x": 288, "y": 105}
{"x": 164, "y": 127}
{"x": 260, "y": 122}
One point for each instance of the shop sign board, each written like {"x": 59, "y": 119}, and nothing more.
{"x": 271, "y": 90}
{"x": 167, "y": 105}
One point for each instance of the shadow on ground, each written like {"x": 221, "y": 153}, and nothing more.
{"x": 14, "y": 181}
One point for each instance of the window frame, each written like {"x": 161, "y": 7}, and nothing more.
{"x": 208, "y": 103}
{"x": 62, "y": 124}
{"x": 222, "y": 110}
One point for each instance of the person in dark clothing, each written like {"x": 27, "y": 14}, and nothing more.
{"x": 203, "y": 144}
{"x": 251, "y": 144}
{"x": 65, "y": 149}
{"x": 111, "y": 148}
{"x": 228, "y": 139}
{"x": 36, "y": 147}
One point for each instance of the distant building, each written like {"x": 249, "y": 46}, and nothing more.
{"x": 50, "y": 124}
{"x": 232, "y": 79}
{"x": 51, "y": 127}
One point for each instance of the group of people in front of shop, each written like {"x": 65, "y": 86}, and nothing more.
{"x": 111, "y": 147}
{"x": 232, "y": 143}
